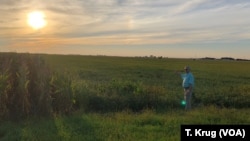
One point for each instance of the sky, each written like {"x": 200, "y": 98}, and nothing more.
{"x": 168, "y": 28}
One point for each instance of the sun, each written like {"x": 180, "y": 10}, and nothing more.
{"x": 36, "y": 20}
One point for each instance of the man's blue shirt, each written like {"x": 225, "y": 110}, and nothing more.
{"x": 188, "y": 80}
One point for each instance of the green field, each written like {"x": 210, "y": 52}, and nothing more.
{"x": 101, "y": 98}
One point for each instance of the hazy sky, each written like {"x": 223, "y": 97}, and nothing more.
{"x": 170, "y": 28}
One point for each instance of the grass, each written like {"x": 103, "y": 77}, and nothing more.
{"x": 123, "y": 98}
{"x": 123, "y": 126}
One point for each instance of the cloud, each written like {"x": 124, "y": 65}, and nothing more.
{"x": 187, "y": 6}
{"x": 126, "y": 22}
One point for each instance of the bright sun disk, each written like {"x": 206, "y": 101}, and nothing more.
{"x": 36, "y": 19}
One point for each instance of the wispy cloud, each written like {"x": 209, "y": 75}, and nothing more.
{"x": 126, "y": 22}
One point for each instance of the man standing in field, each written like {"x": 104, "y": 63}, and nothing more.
{"x": 188, "y": 85}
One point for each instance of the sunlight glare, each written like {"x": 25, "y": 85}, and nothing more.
{"x": 36, "y": 20}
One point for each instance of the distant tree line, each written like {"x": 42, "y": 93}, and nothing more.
{"x": 224, "y": 58}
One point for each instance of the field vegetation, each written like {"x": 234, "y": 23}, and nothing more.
{"x": 73, "y": 97}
